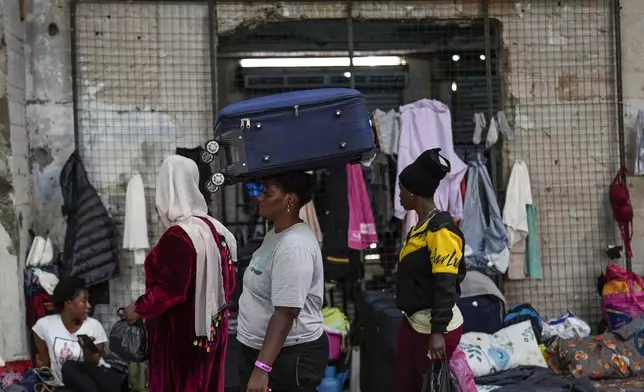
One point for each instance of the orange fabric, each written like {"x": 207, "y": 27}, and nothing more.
{"x": 464, "y": 187}
{"x": 619, "y": 287}
{"x": 463, "y": 190}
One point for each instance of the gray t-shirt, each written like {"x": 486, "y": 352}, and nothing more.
{"x": 286, "y": 271}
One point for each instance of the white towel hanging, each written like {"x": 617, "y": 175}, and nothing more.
{"x": 479, "y": 125}
{"x": 135, "y": 233}
{"x": 492, "y": 134}
{"x": 504, "y": 125}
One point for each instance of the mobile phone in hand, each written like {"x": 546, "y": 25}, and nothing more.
{"x": 88, "y": 343}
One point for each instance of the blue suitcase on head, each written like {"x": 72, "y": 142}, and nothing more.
{"x": 295, "y": 131}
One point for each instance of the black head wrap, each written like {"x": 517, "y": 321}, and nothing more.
{"x": 423, "y": 176}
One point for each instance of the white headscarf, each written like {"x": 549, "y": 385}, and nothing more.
{"x": 179, "y": 202}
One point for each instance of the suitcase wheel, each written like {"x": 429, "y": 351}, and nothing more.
{"x": 218, "y": 179}
{"x": 210, "y": 187}
{"x": 212, "y": 147}
{"x": 206, "y": 157}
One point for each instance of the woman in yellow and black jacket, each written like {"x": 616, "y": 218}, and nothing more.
{"x": 430, "y": 271}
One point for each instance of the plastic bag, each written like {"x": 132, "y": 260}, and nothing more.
{"x": 461, "y": 371}
{"x": 438, "y": 379}
{"x": 138, "y": 377}
{"x": 568, "y": 326}
{"x": 130, "y": 342}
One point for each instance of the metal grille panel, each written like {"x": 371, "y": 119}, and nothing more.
{"x": 143, "y": 88}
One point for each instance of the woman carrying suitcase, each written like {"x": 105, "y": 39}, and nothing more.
{"x": 283, "y": 344}
{"x": 430, "y": 271}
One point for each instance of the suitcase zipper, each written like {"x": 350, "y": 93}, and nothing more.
{"x": 296, "y": 108}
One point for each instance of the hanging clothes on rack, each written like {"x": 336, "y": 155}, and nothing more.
{"x": 486, "y": 238}
{"x": 135, "y": 231}
{"x": 379, "y": 184}
{"x": 332, "y": 206}
{"x": 497, "y": 124}
{"x": 310, "y": 217}
{"x": 427, "y": 124}
{"x": 639, "y": 152}
{"x": 388, "y": 129}
{"x": 519, "y": 217}
{"x": 362, "y": 227}
{"x": 479, "y": 125}
{"x": 504, "y": 125}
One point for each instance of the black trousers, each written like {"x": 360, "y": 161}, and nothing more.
{"x": 81, "y": 377}
{"x": 297, "y": 368}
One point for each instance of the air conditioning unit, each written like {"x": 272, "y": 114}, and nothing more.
{"x": 371, "y": 79}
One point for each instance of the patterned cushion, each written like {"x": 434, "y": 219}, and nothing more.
{"x": 509, "y": 348}
{"x": 596, "y": 357}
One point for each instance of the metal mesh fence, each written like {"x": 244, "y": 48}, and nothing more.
{"x": 143, "y": 89}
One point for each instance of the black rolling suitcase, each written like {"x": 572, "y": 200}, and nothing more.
{"x": 384, "y": 372}
{"x": 294, "y": 131}
{"x": 373, "y": 308}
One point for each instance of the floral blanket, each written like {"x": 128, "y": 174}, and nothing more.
{"x": 596, "y": 357}
{"x": 508, "y": 348}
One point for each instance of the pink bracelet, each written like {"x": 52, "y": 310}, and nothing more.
{"x": 263, "y": 366}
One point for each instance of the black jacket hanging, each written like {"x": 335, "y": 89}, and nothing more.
{"x": 91, "y": 249}
{"x": 332, "y": 206}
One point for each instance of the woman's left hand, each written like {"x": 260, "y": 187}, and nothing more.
{"x": 258, "y": 381}
{"x": 436, "y": 346}
{"x": 82, "y": 344}
{"x": 131, "y": 315}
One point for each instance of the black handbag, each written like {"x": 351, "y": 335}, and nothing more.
{"x": 438, "y": 379}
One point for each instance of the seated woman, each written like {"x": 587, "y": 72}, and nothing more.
{"x": 59, "y": 346}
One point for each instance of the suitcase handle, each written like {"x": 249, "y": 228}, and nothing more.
{"x": 234, "y": 150}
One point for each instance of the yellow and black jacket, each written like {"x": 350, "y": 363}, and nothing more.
{"x": 430, "y": 270}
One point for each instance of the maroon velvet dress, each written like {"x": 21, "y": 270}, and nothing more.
{"x": 175, "y": 364}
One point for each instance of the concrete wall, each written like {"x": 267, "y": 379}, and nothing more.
{"x": 558, "y": 80}
{"x": 15, "y": 183}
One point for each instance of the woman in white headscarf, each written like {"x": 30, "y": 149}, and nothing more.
{"x": 189, "y": 277}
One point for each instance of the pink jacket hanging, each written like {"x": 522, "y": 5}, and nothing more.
{"x": 362, "y": 227}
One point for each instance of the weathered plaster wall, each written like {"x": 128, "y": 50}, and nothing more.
{"x": 558, "y": 75}
{"x": 15, "y": 186}
{"x": 50, "y": 117}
